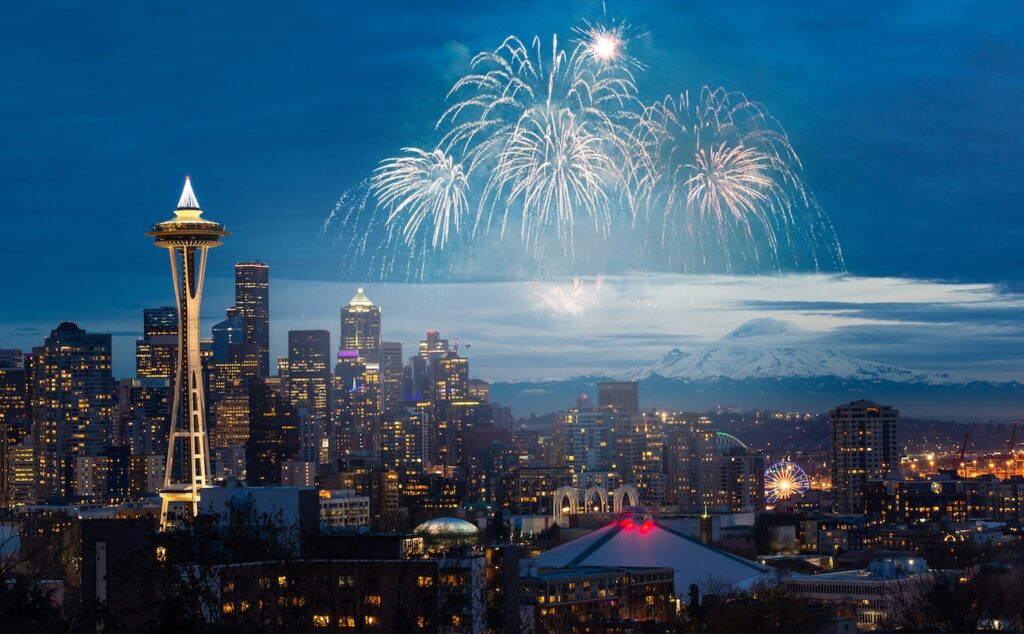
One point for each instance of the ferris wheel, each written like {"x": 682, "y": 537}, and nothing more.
{"x": 783, "y": 480}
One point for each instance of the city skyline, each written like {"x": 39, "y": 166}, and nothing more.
{"x": 854, "y": 176}
{"x": 516, "y": 318}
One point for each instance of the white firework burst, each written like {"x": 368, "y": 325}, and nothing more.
{"x": 548, "y": 130}
{"x": 553, "y": 166}
{"x": 422, "y": 188}
{"x": 724, "y": 177}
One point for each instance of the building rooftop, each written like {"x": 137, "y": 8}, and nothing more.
{"x": 442, "y": 526}
{"x": 360, "y": 299}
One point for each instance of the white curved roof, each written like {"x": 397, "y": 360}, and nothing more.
{"x": 650, "y": 544}
{"x": 446, "y": 526}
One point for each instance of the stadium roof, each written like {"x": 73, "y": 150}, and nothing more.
{"x": 647, "y": 543}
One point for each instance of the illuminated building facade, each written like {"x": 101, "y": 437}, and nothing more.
{"x": 360, "y": 327}
{"x": 72, "y": 404}
{"x": 156, "y": 353}
{"x": 690, "y": 463}
{"x": 585, "y": 439}
{"x": 401, "y": 442}
{"x": 15, "y": 422}
{"x": 187, "y": 238}
{"x": 391, "y": 375}
{"x": 741, "y": 479}
{"x": 863, "y": 446}
{"x": 252, "y": 301}
{"x": 309, "y": 370}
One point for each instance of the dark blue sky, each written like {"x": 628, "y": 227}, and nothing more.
{"x": 906, "y": 116}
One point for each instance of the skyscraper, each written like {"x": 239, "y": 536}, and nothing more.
{"x": 864, "y": 446}
{"x": 451, "y": 378}
{"x": 188, "y": 238}
{"x": 273, "y": 435}
{"x": 156, "y": 352}
{"x": 309, "y": 370}
{"x": 230, "y": 332}
{"x": 391, "y": 375}
{"x": 252, "y": 301}
{"x": 73, "y": 404}
{"x": 621, "y": 396}
{"x": 360, "y": 327}
{"x": 584, "y": 439}
{"x": 690, "y": 463}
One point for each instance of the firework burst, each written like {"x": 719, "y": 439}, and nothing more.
{"x": 545, "y": 153}
{"x": 724, "y": 179}
{"x": 422, "y": 188}
{"x": 608, "y": 44}
{"x": 548, "y": 129}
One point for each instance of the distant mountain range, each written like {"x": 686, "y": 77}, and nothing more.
{"x": 768, "y": 363}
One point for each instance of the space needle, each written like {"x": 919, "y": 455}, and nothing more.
{"x": 187, "y": 238}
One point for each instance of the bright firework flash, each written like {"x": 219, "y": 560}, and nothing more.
{"x": 784, "y": 480}
{"x": 572, "y": 302}
{"x": 608, "y": 43}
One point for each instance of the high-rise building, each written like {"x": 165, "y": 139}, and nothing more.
{"x": 73, "y": 404}
{"x": 156, "y": 353}
{"x": 451, "y": 378}
{"x": 148, "y": 410}
{"x": 20, "y": 474}
{"x": 639, "y": 449}
{"x": 231, "y": 413}
{"x": 691, "y": 480}
{"x": 479, "y": 390}
{"x": 273, "y": 435}
{"x": 356, "y": 403}
{"x": 230, "y": 332}
{"x": 864, "y": 446}
{"x": 10, "y": 358}
{"x": 309, "y": 370}
{"x": 391, "y": 375}
{"x": 585, "y": 439}
{"x": 360, "y": 327}
{"x": 160, "y": 322}
{"x": 15, "y": 422}
{"x": 252, "y": 301}
{"x": 621, "y": 396}
{"x": 741, "y": 479}
{"x": 189, "y": 238}
{"x": 402, "y": 447}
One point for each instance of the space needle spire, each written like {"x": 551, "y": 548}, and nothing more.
{"x": 187, "y": 238}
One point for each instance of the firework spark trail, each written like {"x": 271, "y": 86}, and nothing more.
{"x": 548, "y": 129}
{"x": 725, "y": 177}
{"x": 423, "y": 187}
{"x": 557, "y": 141}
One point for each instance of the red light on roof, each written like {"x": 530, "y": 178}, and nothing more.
{"x": 646, "y": 527}
{"x": 627, "y": 524}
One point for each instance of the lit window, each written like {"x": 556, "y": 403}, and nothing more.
{"x": 373, "y": 599}
{"x": 321, "y": 620}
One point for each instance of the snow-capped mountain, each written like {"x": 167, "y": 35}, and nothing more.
{"x": 773, "y": 364}
{"x": 774, "y": 349}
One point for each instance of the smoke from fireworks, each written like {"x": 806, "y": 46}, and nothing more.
{"x": 547, "y": 162}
